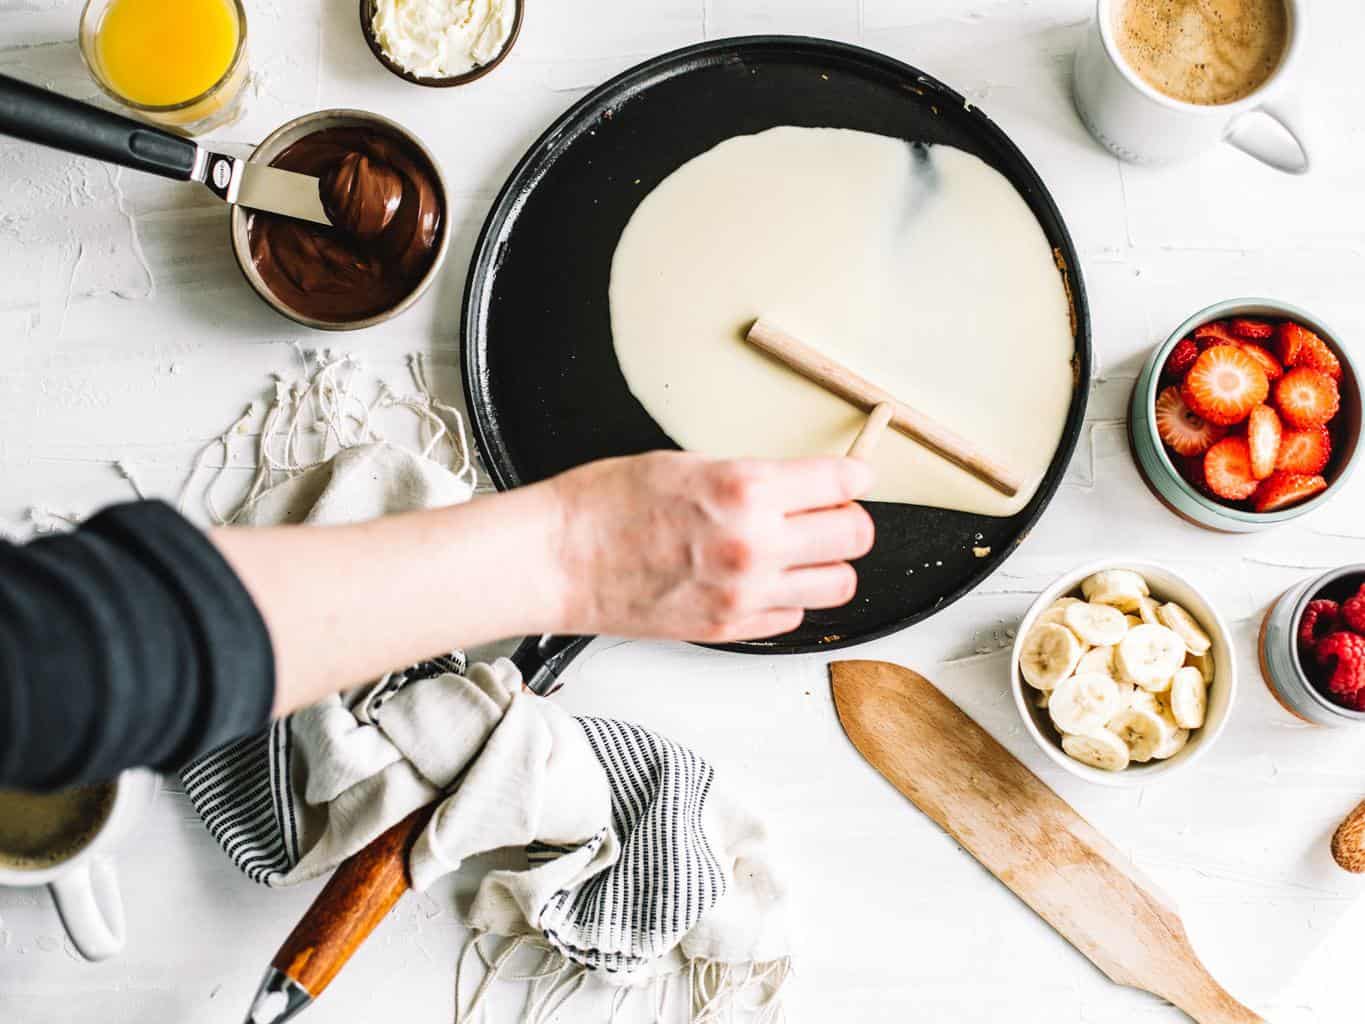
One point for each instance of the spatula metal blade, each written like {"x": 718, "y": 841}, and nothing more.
{"x": 284, "y": 192}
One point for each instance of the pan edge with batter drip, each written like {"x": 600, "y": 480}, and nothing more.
{"x": 919, "y": 267}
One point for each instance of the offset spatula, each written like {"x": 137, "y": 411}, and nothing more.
{"x": 1025, "y": 835}
{"x": 50, "y": 119}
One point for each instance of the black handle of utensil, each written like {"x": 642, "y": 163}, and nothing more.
{"x": 50, "y": 119}
{"x": 542, "y": 659}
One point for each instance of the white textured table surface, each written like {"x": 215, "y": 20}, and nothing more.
{"x": 127, "y": 334}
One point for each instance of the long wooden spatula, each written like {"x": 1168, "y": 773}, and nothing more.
{"x": 1024, "y": 834}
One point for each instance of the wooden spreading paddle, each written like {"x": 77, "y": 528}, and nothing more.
{"x": 840, "y": 380}
{"x": 1026, "y": 835}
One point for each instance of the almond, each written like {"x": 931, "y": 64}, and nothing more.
{"x": 1348, "y": 842}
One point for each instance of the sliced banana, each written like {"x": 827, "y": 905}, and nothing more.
{"x": 1132, "y": 620}
{"x": 1173, "y": 745}
{"x": 1143, "y": 732}
{"x": 1182, "y": 623}
{"x": 1056, "y": 610}
{"x": 1100, "y": 749}
{"x": 1147, "y": 611}
{"x": 1189, "y": 698}
{"x": 1082, "y": 704}
{"x": 1097, "y": 659}
{"x": 1121, "y": 588}
{"x": 1041, "y": 697}
{"x": 1146, "y": 700}
{"x": 1128, "y": 694}
{"x": 1203, "y": 662}
{"x": 1149, "y": 656}
{"x": 1098, "y": 624}
{"x": 1049, "y": 654}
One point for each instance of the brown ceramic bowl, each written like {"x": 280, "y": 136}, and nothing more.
{"x": 367, "y": 30}
{"x": 281, "y": 139}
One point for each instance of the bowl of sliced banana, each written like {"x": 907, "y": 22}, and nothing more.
{"x": 1123, "y": 672}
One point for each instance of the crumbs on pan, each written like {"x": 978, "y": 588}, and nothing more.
{"x": 981, "y": 552}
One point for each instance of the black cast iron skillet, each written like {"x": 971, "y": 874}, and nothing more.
{"x": 541, "y": 378}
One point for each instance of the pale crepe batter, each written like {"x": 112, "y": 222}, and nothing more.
{"x": 922, "y": 269}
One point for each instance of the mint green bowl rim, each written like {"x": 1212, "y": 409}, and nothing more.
{"x": 1250, "y": 306}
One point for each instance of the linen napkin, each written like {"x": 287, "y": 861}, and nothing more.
{"x": 638, "y": 859}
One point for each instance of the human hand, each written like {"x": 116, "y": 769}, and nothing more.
{"x": 678, "y": 545}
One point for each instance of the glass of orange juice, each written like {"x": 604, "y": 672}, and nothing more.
{"x": 179, "y": 63}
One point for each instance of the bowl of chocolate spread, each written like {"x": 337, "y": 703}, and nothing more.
{"x": 386, "y": 197}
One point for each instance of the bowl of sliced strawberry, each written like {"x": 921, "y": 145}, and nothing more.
{"x": 1312, "y": 648}
{"x": 1248, "y": 416}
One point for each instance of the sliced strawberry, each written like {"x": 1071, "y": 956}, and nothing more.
{"x": 1224, "y": 385}
{"x": 1250, "y": 328}
{"x": 1315, "y": 354}
{"x": 1181, "y": 430}
{"x": 1263, "y": 439}
{"x": 1273, "y": 370}
{"x": 1227, "y": 469}
{"x": 1182, "y": 357}
{"x": 1280, "y": 490}
{"x": 1304, "y": 396}
{"x": 1288, "y": 341}
{"x": 1215, "y": 333}
{"x": 1305, "y": 451}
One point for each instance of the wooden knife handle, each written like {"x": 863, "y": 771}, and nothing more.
{"x": 361, "y": 891}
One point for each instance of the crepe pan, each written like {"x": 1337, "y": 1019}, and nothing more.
{"x": 542, "y": 382}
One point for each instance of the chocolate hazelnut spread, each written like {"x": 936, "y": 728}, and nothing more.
{"x": 381, "y": 194}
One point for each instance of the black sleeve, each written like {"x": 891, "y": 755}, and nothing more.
{"x": 129, "y": 642}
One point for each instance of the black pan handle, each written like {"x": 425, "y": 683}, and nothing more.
{"x": 541, "y": 659}
{"x": 50, "y": 119}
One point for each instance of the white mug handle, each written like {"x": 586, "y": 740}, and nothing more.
{"x": 1287, "y": 114}
{"x": 91, "y": 905}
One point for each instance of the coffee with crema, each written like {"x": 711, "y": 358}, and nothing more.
{"x": 40, "y": 830}
{"x": 1207, "y": 52}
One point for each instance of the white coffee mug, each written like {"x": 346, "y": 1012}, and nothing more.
{"x": 1138, "y": 123}
{"x": 84, "y": 886}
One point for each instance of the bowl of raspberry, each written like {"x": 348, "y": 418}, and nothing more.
{"x": 1312, "y": 648}
{"x": 1247, "y": 416}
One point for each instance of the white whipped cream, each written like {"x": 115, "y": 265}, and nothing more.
{"x": 440, "y": 38}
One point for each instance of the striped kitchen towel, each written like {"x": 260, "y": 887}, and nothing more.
{"x": 634, "y": 855}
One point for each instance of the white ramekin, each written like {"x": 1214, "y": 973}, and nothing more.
{"x": 1168, "y": 586}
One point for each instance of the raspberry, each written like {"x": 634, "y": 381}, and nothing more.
{"x": 1343, "y": 655}
{"x": 1319, "y": 619}
{"x": 1353, "y": 613}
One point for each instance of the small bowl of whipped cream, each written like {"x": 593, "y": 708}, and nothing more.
{"x": 441, "y": 43}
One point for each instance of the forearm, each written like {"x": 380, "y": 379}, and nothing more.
{"x": 128, "y": 642}
{"x": 345, "y": 604}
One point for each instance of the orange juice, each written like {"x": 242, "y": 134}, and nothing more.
{"x": 164, "y": 52}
